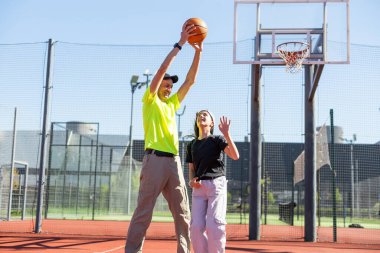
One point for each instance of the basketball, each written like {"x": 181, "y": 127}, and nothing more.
{"x": 200, "y": 30}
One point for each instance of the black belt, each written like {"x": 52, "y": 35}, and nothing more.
{"x": 209, "y": 177}
{"x": 158, "y": 153}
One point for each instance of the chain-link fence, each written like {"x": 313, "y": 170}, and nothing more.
{"x": 92, "y": 169}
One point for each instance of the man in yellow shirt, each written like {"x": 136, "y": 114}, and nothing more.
{"x": 161, "y": 169}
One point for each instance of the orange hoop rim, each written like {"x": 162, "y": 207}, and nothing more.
{"x": 293, "y": 58}
{"x": 293, "y": 42}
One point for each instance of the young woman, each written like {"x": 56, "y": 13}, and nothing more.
{"x": 208, "y": 181}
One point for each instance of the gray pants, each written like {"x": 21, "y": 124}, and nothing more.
{"x": 160, "y": 174}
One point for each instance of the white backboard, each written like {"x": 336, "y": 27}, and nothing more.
{"x": 261, "y": 25}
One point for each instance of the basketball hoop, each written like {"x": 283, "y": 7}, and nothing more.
{"x": 293, "y": 54}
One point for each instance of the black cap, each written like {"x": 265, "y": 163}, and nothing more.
{"x": 174, "y": 78}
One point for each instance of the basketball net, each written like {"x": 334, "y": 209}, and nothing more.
{"x": 293, "y": 53}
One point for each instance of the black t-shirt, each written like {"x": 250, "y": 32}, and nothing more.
{"x": 207, "y": 156}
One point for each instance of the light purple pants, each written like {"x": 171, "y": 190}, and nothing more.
{"x": 160, "y": 174}
{"x": 208, "y": 221}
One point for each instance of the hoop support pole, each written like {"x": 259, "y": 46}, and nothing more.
{"x": 317, "y": 76}
{"x": 256, "y": 83}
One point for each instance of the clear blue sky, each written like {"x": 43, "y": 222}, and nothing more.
{"x": 146, "y": 22}
{"x": 143, "y": 22}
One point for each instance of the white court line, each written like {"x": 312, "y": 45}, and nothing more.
{"x": 111, "y": 249}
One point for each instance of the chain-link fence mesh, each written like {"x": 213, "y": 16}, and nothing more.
{"x": 91, "y": 174}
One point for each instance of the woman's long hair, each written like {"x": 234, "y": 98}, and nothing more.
{"x": 196, "y": 129}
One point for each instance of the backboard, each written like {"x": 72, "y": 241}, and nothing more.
{"x": 261, "y": 25}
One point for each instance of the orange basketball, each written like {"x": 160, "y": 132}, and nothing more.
{"x": 200, "y": 30}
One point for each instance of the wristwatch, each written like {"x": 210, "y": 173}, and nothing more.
{"x": 177, "y": 46}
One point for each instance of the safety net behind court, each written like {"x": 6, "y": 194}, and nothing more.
{"x": 92, "y": 180}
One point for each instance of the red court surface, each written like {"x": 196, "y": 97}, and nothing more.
{"x": 101, "y": 244}
{"x": 77, "y": 236}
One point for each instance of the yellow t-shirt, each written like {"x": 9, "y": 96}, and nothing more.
{"x": 160, "y": 128}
